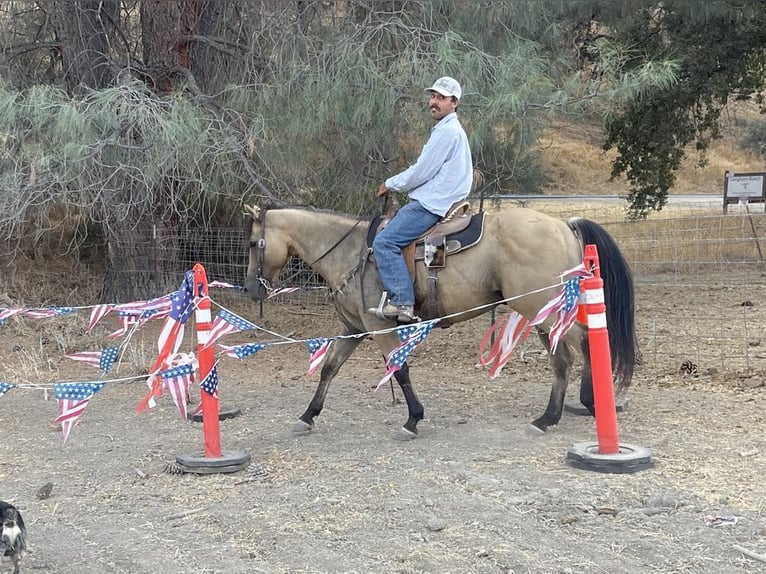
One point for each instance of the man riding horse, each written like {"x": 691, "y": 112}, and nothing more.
{"x": 441, "y": 176}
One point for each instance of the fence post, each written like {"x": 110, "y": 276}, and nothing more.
{"x": 607, "y": 454}
{"x": 212, "y": 459}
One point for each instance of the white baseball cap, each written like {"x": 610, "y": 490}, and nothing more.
{"x": 446, "y": 86}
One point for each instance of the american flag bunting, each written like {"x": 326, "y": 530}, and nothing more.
{"x": 128, "y": 320}
{"x": 8, "y": 313}
{"x": 317, "y": 352}
{"x": 159, "y": 306}
{"x": 177, "y": 380}
{"x": 5, "y": 387}
{"x": 563, "y": 306}
{"x": 282, "y": 291}
{"x": 72, "y": 399}
{"x": 226, "y": 323}
{"x": 224, "y": 285}
{"x": 98, "y": 313}
{"x": 103, "y": 359}
{"x": 241, "y": 351}
{"x": 47, "y": 312}
{"x": 210, "y": 383}
{"x": 182, "y": 306}
{"x": 513, "y": 331}
{"x": 411, "y": 336}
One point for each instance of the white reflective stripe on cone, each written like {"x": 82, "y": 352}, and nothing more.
{"x": 203, "y": 336}
{"x": 594, "y": 296}
{"x": 202, "y": 315}
{"x": 597, "y": 321}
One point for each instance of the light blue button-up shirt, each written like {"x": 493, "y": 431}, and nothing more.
{"x": 443, "y": 173}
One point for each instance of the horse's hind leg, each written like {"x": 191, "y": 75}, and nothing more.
{"x": 586, "y": 381}
{"x": 339, "y": 352}
{"x": 414, "y": 406}
{"x": 561, "y": 361}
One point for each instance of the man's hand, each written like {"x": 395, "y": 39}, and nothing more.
{"x": 382, "y": 190}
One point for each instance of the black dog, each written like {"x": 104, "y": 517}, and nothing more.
{"x": 13, "y": 534}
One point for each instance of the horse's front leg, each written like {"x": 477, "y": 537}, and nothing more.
{"x": 338, "y": 353}
{"x": 414, "y": 406}
{"x": 561, "y": 361}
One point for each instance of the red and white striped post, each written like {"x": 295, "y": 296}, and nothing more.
{"x": 607, "y": 455}
{"x": 206, "y": 357}
{"x": 213, "y": 459}
{"x": 600, "y": 355}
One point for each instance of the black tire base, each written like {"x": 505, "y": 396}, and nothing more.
{"x": 223, "y": 414}
{"x": 630, "y": 458}
{"x": 229, "y": 461}
{"x": 582, "y": 411}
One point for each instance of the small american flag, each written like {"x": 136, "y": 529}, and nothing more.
{"x": 177, "y": 380}
{"x": 181, "y": 308}
{"x": 241, "y": 351}
{"x": 224, "y": 285}
{"x": 158, "y": 304}
{"x": 171, "y": 336}
{"x": 564, "y": 306}
{"x": 5, "y": 387}
{"x": 317, "y": 351}
{"x": 514, "y": 330}
{"x": 410, "y": 336}
{"x": 282, "y": 291}
{"x": 72, "y": 399}
{"x": 98, "y": 313}
{"x": 128, "y": 320}
{"x": 104, "y": 359}
{"x": 7, "y": 313}
{"x": 48, "y": 312}
{"x": 210, "y": 383}
{"x": 226, "y": 323}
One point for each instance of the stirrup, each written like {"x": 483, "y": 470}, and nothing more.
{"x": 378, "y": 311}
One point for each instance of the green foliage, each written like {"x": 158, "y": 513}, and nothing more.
{"x": 320, "y": 107}
{"x": 718, "y": 50}
{"x": 754, "y": 137}
{"x": 119, "y": 151}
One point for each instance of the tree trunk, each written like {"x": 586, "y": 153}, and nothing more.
{"x": 143, "y": 253}
{"x": 144, "y": 247}
{"x": 82, "y": 28}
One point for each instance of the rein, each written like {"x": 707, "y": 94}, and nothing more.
{"x": 345, "y": 235}
{"x": 260, "y": 246}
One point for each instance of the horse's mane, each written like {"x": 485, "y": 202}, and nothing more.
{"x": 320, "y": 210}
{"x": 313, "y": 209}
{"x": 248, "y": 222}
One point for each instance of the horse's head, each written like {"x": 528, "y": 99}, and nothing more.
{"x": 268, "y": 253}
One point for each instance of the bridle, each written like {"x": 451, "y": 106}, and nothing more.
{"x": 259, "y": 214}
{"x": 260, "y": 247}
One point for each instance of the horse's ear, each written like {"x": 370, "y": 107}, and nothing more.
{"x": 253, "y": 211}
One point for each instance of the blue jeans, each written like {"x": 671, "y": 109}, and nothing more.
{"x": 407, "y": 225}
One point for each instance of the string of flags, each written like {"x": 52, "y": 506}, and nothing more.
{"x": 174, "y": 372}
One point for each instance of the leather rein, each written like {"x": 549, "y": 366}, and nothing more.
{"x": 260, "y": 246}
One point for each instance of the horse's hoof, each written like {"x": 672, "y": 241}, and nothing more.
{"x": 534, "y": 431}
{"x": 404, "y": 435}
{"x": 302, "y": 427}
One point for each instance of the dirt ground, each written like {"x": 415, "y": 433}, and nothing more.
{"x": 473, "y": 494}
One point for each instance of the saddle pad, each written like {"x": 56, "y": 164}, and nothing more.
{"x": 461, "y": 240}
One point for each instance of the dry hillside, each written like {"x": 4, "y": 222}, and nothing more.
{"x": 575, "y": 163}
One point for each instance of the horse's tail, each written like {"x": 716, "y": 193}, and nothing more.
{"x": 619, "y": 298}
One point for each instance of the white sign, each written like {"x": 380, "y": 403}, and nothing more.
{"x": 745, "y": 186}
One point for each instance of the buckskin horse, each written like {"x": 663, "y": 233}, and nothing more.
{"x": 517, "y": 261}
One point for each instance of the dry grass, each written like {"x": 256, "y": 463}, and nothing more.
{"x": 574, "y": 161}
